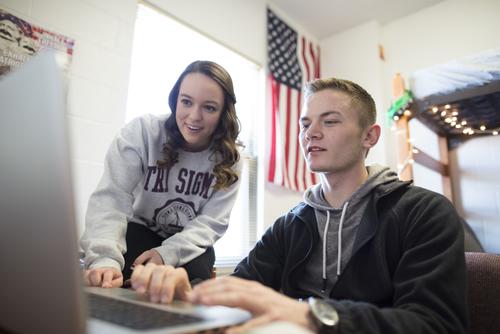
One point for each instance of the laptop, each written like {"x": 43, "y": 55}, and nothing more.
{"x": 40, "y": 281}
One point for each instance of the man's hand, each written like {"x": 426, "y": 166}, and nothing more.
{"x": 264, "y": 303}
{"x": 161, "y": 282}
{"x": 149, "y": 256}
{"x": 105, "y": 277}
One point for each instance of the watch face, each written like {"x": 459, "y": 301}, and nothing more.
{"x": 324, "y": 312}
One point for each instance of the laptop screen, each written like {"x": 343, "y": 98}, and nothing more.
{"x": 40, "y": 283}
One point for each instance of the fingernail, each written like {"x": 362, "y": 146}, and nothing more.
{"x": 154, "y": 298}
{"x": 164, "y": 299}
{"x": 141, "y": 289}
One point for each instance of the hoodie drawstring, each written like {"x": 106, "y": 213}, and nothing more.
{"x": 339, "y": 243}
{"x": 325, "y": 231}
{"x": 339, "y": 252}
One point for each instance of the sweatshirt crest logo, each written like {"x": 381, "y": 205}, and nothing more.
{"x": 174, "y": 215}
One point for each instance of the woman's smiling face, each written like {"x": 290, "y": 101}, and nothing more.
{"x": 199, "y": 107}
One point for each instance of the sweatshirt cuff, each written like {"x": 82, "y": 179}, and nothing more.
{"x": 105, "y": 262}
{"x": 169, "y": 256}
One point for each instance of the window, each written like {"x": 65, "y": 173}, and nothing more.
{"x": 162, "y": 49}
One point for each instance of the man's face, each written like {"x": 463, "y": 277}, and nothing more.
{"x": 330, "y": 135}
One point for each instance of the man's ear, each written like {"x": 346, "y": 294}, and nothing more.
{"x": 371, "y": 136}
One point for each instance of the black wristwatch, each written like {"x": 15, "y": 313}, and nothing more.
{"x": 324, "y": 316}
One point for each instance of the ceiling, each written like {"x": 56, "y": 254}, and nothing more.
{"x": 323, "y": 18}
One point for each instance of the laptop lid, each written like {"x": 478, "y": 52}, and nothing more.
{"x": 39, "y": 289}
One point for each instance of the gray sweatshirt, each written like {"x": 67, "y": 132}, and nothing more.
{"x": 337, "y": 230}
{"x": 179, "y": 204}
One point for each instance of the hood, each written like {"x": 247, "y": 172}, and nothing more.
{"x": 377, "y": 175}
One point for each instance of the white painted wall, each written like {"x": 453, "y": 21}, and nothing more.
{"x": 98, "y": 79}
{"x": 426, "y": 140}
{"x": 238, "y": 24}
{"x": 475, "y": 170}
{"x": 449, "y": 30}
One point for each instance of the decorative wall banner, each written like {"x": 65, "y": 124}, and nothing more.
{"x": 20, "y": 40}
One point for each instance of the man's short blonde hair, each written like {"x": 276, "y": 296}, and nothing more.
{"x": 368, "y": 111}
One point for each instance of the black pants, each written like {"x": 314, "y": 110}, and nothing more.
{"x": 140, "y": 239}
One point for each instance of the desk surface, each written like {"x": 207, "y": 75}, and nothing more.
{"x": 279, "y": 327}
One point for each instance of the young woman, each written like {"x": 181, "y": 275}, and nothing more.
{"x": 169, "y": 183}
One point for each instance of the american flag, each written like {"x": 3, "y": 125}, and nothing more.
{"x": 292, "y": 61}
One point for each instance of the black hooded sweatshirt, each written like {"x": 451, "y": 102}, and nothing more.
{"x": 406, "y": 272}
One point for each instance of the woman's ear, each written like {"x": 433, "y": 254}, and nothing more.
{"x": 371, "y": 136}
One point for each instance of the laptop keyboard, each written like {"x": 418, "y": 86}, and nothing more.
{"x": 135, "y": 316}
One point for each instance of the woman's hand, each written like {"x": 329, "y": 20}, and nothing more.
{"x": 149, "y": 256}
{"x": 105, "y": 277}
{"x": 161, "y": 282}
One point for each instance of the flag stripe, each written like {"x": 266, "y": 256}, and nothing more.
{"x": 297, "y": 147}
{"x": 272, "y": 159}
{"x": 279, "y": 140}
{"x": 314, "y": 60}
{"x": 318, "y": 63}
{"x": 294, "y": 144}
{"x": 304, "y": 60}
{"x": 288, "y": 135}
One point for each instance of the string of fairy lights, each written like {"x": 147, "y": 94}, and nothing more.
{"x": 450, "y": 116}
{"x": 452, "y": 119}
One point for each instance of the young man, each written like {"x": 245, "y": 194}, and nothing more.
{"x": 386, "y": 256}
